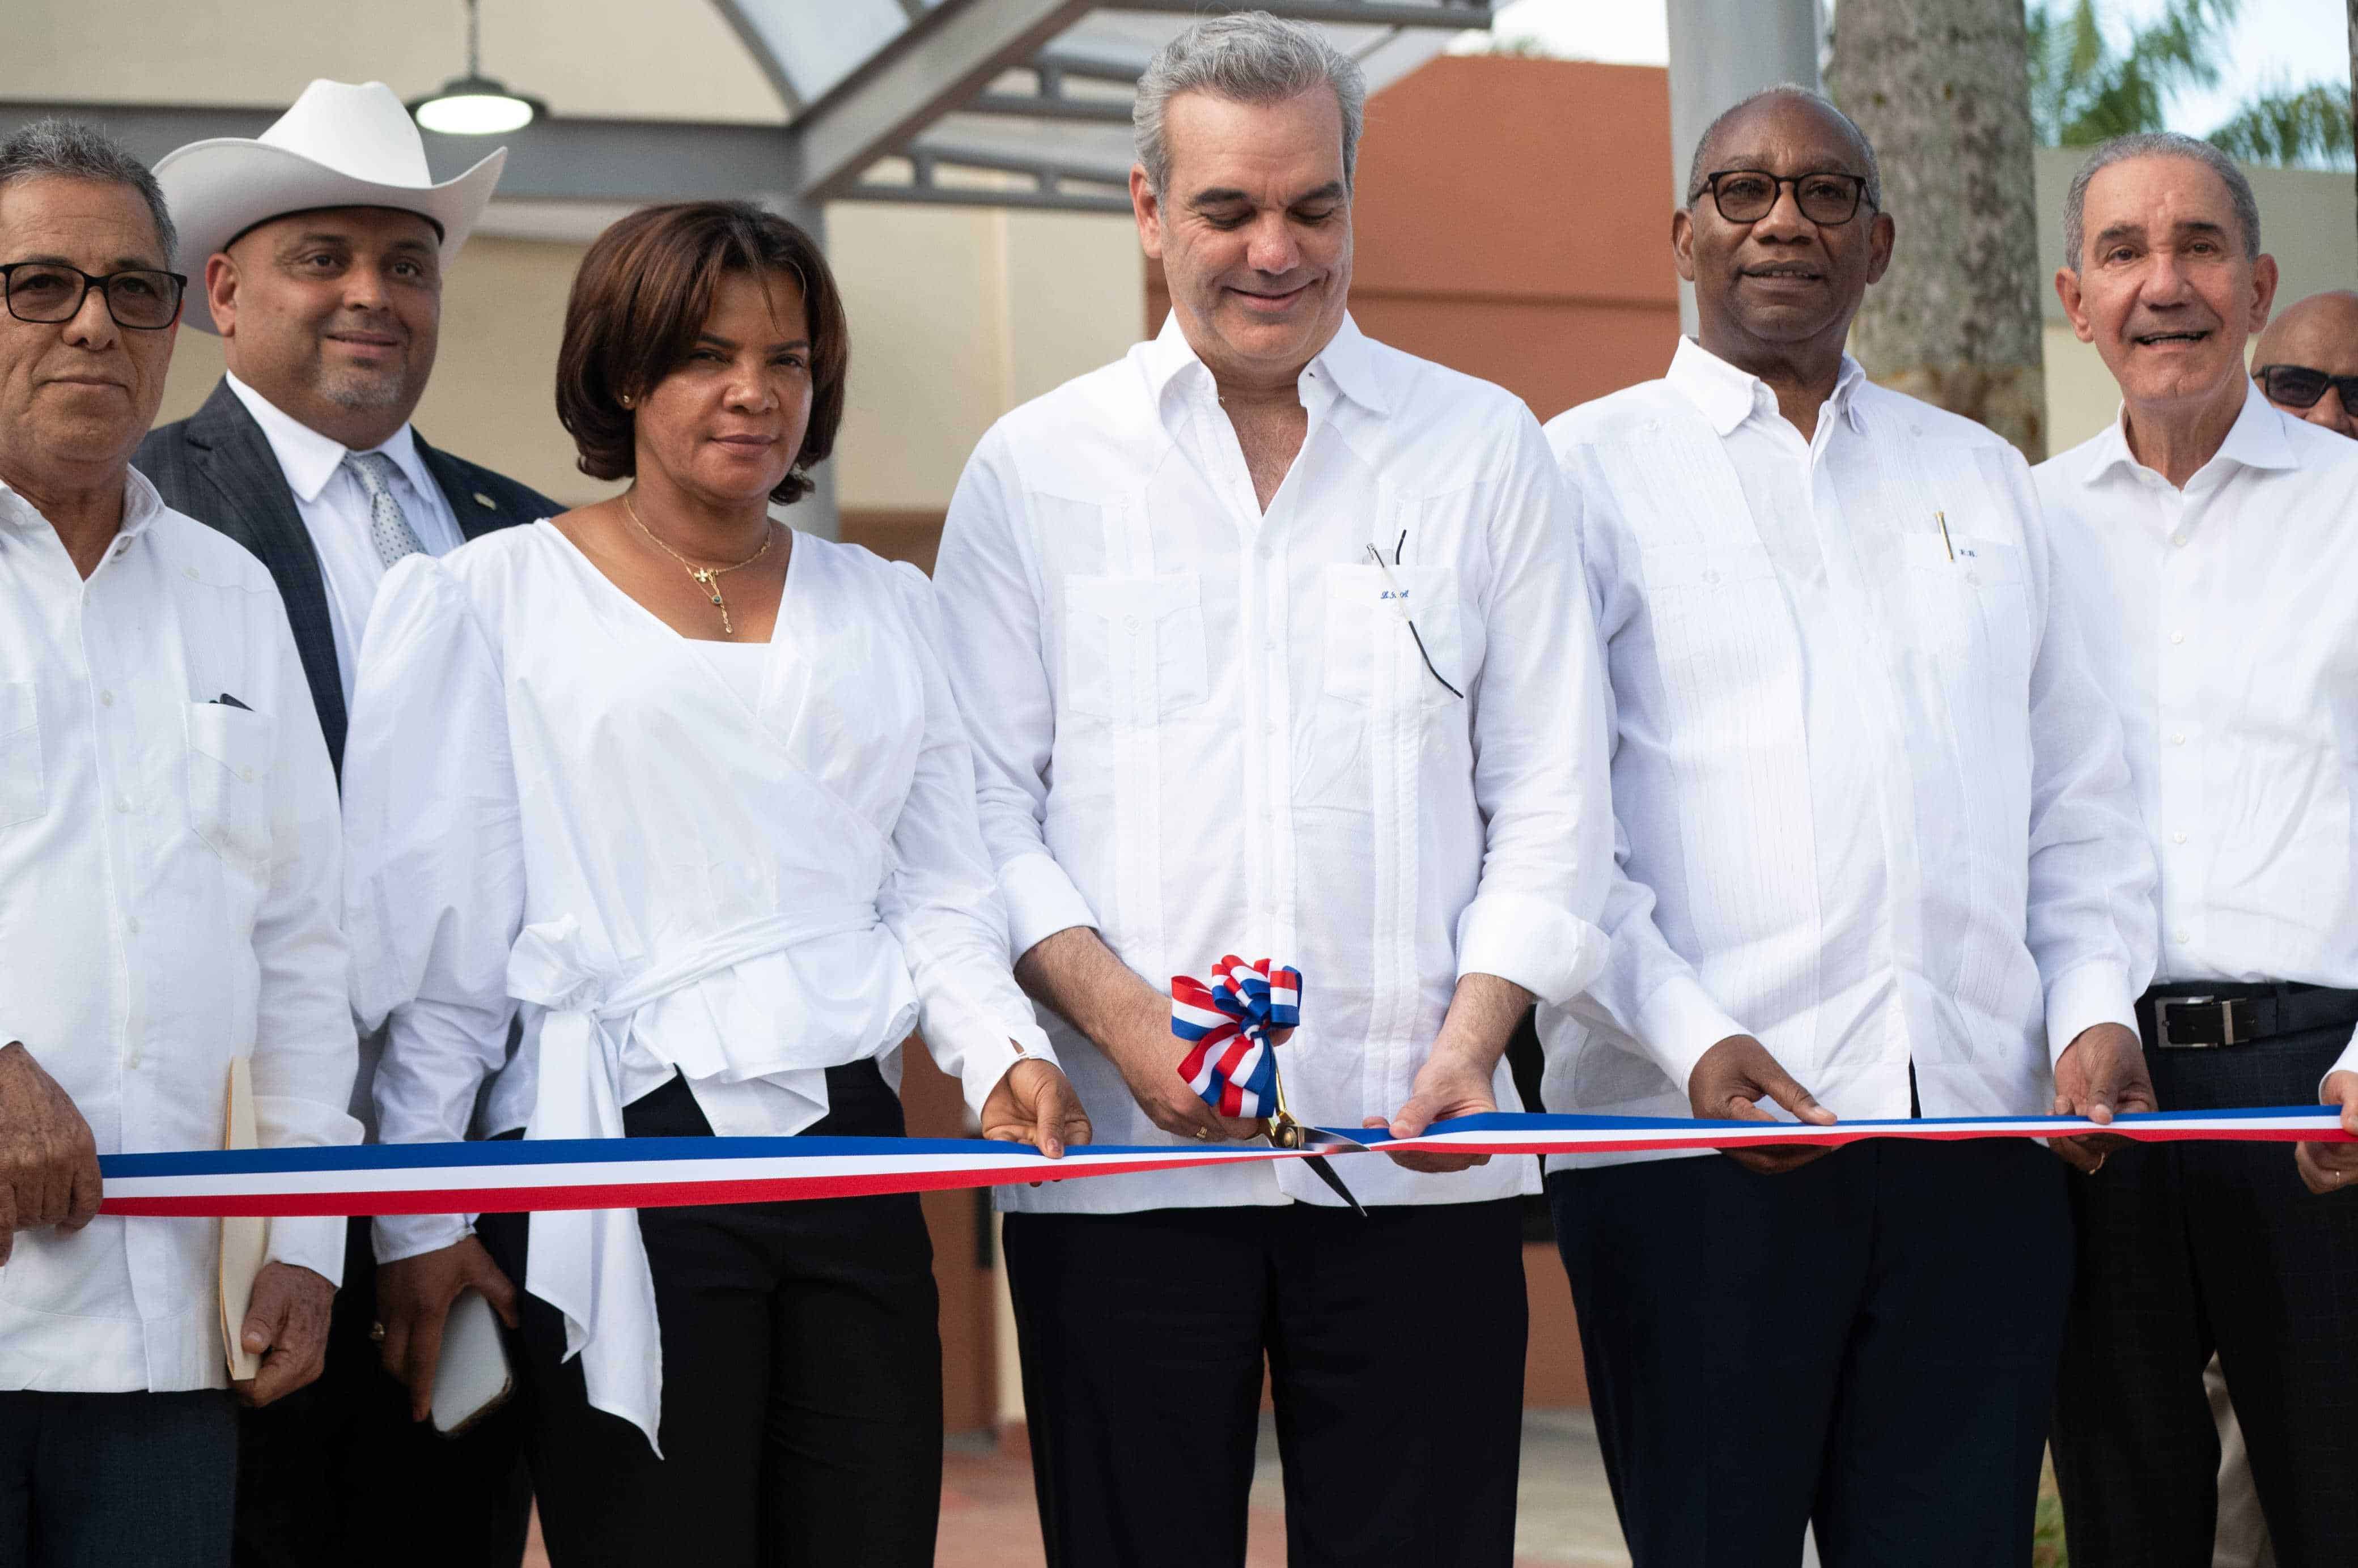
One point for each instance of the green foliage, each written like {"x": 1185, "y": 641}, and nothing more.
{"x": 2311, "y": 126}
{"x": 2084, "y": 90}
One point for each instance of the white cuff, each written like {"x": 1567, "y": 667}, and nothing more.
{"x": 1678, "y": 1024}
{"x": 2080, "y": 999}
{"x": 1540, "y": 946}
{"x": 2348, "y": 1064}
{"x": 400, "y": 1235}
{"x": 1040, "y": 902}
{"x": 313, "y": 1241}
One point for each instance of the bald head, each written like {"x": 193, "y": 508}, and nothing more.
{"x": 2320, "y": 334}
{"x": 1711, "y": 149}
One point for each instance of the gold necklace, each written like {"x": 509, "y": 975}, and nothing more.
{"x": 705, "y": 575}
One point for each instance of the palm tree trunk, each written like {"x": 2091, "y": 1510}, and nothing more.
{"x": 1942, "y": 88}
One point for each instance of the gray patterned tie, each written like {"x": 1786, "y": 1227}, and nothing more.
{"x": 388, "y": 529}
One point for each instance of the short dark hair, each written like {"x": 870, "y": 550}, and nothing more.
{"x": 1707, "y": 144}
{"x": 643, "y": 293}
{"x": 74, "y": 149}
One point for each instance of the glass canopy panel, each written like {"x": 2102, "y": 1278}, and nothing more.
{"x": 815, "y": 45}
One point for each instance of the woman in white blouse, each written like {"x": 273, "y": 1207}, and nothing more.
{"x": 691, "y": 789}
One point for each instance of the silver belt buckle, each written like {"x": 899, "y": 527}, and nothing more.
{"x": 2226, "y": 1021}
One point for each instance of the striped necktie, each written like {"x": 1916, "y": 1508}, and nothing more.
{"x": 388, "y": 529}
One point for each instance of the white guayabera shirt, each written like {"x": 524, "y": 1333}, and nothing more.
{"x": 552, "y": 797}
{"x": 169, "y": 871}
{"x": 2229, "y": 611}
{"x": 1204, "y": 730}
{"x": 1873, "y": 809}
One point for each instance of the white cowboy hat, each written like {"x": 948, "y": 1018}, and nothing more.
{"x": 340, "y": 146}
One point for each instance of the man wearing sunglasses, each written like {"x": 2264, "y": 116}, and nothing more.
{"x": 1876, "y": 840}
{"x": 169, "y": 894}
{"x": 2213, "y": 539}
{"x": 2307, "y": 361}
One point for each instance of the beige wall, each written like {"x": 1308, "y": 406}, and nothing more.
{"x": 956, "y": 315}
{"x": 2307, "y": 220}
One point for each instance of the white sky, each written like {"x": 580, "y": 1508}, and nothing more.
{"x": 2275, "y": 43}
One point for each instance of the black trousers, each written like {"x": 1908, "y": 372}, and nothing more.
{"x": 315, "y": 1468}
{"x": 117, "y": 1480}
{"x": 1395, "y": 1352}
{"x": 802, "y": 1397}
{"x": 2190, "y": 1247}
{"x": 1868, "y": 1344}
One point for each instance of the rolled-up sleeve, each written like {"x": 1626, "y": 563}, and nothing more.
{"x": 435, "y": 878}
{"x": 1540, "y": 758}
{"x": 942, "y": 901}
{"x": 995, "y": 627}
{"x": 305, "y": 1052}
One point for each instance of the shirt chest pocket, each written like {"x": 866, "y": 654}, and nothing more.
{"x": 22, "y": 794}
{"x": 1133, "y": 646}
{"x": 229, "y": 784}
{"x": 1719, "y": 618}
{"x": 1970, "y": 606}
{"x": 1405, "y": 614}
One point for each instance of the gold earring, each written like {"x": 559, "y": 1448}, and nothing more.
{"x": 626, "y": 400}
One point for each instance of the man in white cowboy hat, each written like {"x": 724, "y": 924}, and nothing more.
{"x": 317, "y": 253}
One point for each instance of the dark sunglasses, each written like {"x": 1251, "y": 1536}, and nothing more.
{"x": 2298, "y": 386}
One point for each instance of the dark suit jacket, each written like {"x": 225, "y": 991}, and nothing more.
{"x": 217, "y": 465}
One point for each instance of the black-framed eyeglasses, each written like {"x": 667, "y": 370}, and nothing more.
{"x": 2298, "y": 386}
{"x": 1748, "y": 195}
{"x": 50, "y": 292}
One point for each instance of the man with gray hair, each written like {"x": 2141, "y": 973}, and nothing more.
{"x": 2211, "y": 540}
{"x": 169, "y": 848}
{"x": 1275, "y": 644}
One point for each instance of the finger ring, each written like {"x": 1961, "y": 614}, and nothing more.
{"x": 377, "y": 1333}
{"x": 1203, "y": 1135}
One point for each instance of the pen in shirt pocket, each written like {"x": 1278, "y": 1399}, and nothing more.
{"x": 1946, "y": 544}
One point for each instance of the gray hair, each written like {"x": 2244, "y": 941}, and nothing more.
{"x": 73, "y": 149}
{"x": 1789, "y": 92}
{"x": 2158, "y": 144}
{"x": 1248, "y": 57}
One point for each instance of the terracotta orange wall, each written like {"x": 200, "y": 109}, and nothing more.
{"x": 1512, "y": 221}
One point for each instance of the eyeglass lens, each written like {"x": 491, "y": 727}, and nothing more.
{"x": 1746, "y": 197}
{"x": 2298, "y": 386}
{"x": 51, "y": 293}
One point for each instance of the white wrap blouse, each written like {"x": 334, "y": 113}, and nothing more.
{"x": 552, "y": 799}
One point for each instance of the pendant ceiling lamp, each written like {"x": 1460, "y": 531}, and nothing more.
{"x": 475, "y": 104}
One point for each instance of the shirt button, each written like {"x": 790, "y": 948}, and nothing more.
{"x": 2177, "y": 637}
{"x": 2181, "y": 937}
{"x": 2180, "y": 539}
{"x": 245, "y": 773}
{"x": 130, "y": 923}
{"x": 189, "y": 572}
{"x": 2178, "y": 739}
{"x": 2178, "y": 838}
{"x": 106, "y": 699}
{"x": 1711, "y": 574}
{"x": 1130, "y": 622}
{"x": 121, "y": 806}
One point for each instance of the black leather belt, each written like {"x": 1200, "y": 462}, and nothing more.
{"x": 2207, "y": 1017}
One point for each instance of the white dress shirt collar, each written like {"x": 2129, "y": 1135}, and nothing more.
{"x": 311, "y": 460}
{"x": 1728, "y": 395}
{"x": 2257, "y": 440}
{"x": 1347, "y": 363}
{"x": 142, "y": 504}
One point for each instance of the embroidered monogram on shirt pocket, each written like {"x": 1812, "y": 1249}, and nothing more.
{"x": 229, "y": 783}
{"x": 1363, "y": 621}
{"x": 1134, "y": 645}
{"x": 22, "y": 793}
{"x": 1976, "y": 601}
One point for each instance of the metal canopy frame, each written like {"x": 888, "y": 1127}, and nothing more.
{"x": 1019, "y": 104}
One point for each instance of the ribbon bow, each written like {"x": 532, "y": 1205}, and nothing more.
{"x": 1233, "y": 1066}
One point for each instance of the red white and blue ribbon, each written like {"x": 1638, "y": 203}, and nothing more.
{"x": 1233, "y": 1064}
{"x": 510, "y": 1175}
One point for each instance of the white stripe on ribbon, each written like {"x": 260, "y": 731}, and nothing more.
{"x": 507, "y": 1176}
